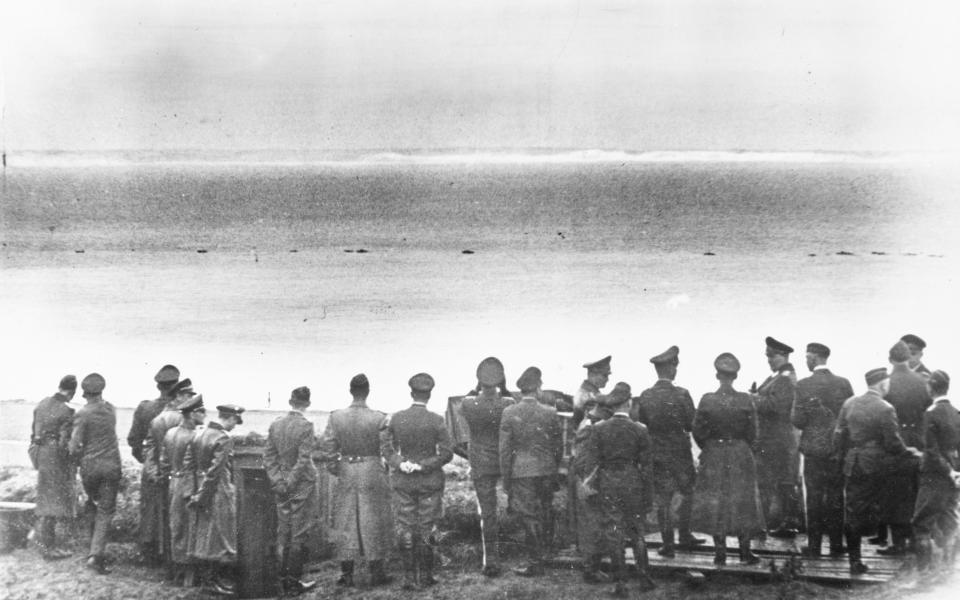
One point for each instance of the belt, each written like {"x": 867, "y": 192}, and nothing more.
{"x": 358, "y": 459}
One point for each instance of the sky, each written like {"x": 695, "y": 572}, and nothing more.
{"x": 636, "y": 75}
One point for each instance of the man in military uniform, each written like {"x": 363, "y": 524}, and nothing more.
{"x": 909, "y": 397}
{"x": 916, "y": 345}
{"x": 819, "y": 400}
{"x": 598, "y": 374}
{"x": 935, "y": 516}
{"x": 153, "y": 493}
{"x": 56, "y": 474}
{"x": 93, "y": 443}
{"x": 777, "y": 458}
{"x": 174, "y": 465}
{"x": 482, "y": 414}
{"x": 214, "y": 504}
{"x": 667, "y": 411}
{"x": 362, "y": 517}
{"x": 867, "y": 437}
{"x": 619, "y": 449}
{"x": 288, "y": 459}
{"x": 531, "y": 446}
{"x": 416, "y": 445}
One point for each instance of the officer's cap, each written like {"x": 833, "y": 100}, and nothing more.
{"x": 69, "y": 382}
{"x": 184, "y": 387}
{"x": 876, "y": 375}
{"x": 618, "y": 395}
{"x": 939, "y": 379}
{"x": 359, "y": 383}
{"x": 191, "y": 404}
{"x": 819, "y": 349}
{"x": 530, "y": 380}
{"x": 900, "y": 352}
{"x": 422, "y": 382}
{"x": 300, "y": 395}
{"x": 667, "y": 356}
{"x": 167, "y": 374}
{"x": 490, "y": 371}
{"x": 600, "y": 366}
{"x": 93, "y": 384}
{"x": 727, "y": 363}
{"x": 914, "y": 340}
{"x": 233, "y": 410}
{"x": 777, "y": 347}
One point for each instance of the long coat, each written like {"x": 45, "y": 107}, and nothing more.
{"x": 936, "y": 511}
{"x": 667, "y": 411}
{"x": 726, "y": 499}
{"x": 777, "y": 458}
{"x": 215, "y": 530}
{"x": 152, "y": 492}
{"x": 288, "y": 459}
{"x": 909, "y": 398}
{"x": 361, "y": 514}
{"x": 183, "y": 484}
{"x": 56, "y": 473}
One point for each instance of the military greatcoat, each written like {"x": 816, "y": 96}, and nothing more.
{"x": 94, "y": 442}
{"x": 215, "y": 531}
{"x": 183, "y": 484}
{"x": 726, "y": 500}
{"x": 909, "y": 398}
{"x": 56, "y": 473}
{"x": 667, "y": 411}
{"x": 152, "y": 492}
{"x": 288, "y": 459}
{"x": 936, "y": 512}
{"x": 777, "y": 458}
{"x": 362, "y": 515}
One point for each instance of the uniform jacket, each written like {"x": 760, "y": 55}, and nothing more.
{"x": 867, "y": 434}
{"x": 50, "y": 433}
{"x": 168, "y": 419}
{"x": 620, "y": 449}
{"x": 531, "y": 443}
{"x": 941, "y": 440}
{"x": 215, "y": 532}
{"x": 144, "y": 414}
{"x": 909, "y": 397}
{"x": 819, "y": 400}
{"x": 419, "y": 436}
{"x": 482, "y": 415}
{"x": 352, "y": 432}
{"x": 667, "y": 411}
{"x": 94, "y": 440}
{"x": 288, "y": 457}
{"x": 584, "y": 400}
{"x": 774, "y": 402}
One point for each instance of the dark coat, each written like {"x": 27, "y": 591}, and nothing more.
{"x": 777, "y": 458}
{"x": 215, "y": 529}
{"x": 531, "y": 443}
{"x": 361, "y": 514}
{"x": 908, "y": 396}
{"x": 419, "y": 436}
{"x": 288, "y": 459}
{"x": 937, "y": 497}
{"x": 143, "y": 415}
{"x": 153, "y": 493}
{"x": 667, "y": 411}
{"x": 726, "y": 500}
{"x": 483, "y": 415}
{"x": 819, "y": 400}
{"x": 183, "y": 484}
{"x": 56, "y": 473}
{"x": 94, "y": 440}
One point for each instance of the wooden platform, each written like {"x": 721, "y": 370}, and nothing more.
{"x": 773, "y": 552}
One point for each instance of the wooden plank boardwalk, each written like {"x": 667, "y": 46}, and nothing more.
{"x": 773, "y": 552}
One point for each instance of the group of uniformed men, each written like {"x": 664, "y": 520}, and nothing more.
{"x": 883, "y": 461}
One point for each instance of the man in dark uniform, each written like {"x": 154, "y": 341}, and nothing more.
{"x": 916, "y": 345}
{"x": 416, "y": 445}
{"x": 361, "y": 514}
{"x": 531, "y": 447}
{"x": 667, "y": 411}
{"x": 56, "y": 473}
{"x": 819, "y": 400}
{"x": 598, "y": 374}
{"x": 482, "y": 414}
{"x": 94, "y": 444}
{"x": 867, "y": 437}
{"x": 153, "y": 493}
{"x": 619, "y": 449}
{"x": 288, "y": 459}
{"x": 909, "y": 397}
{"x": 778, "y": 463}
{"x": 935, "y": 517}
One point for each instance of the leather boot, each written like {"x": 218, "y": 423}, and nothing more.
{"x": 814, "y": 544}
{"x": 924, "y": 553}
{"x": 746, "y": 556}
{"x": 591, "y": 570}
{"x": 346, "y": 574}
{"x": 409, "y": 561}
{"x": 667, "y": 548}
{"x": 719, "y": 550}
{"x": 428, "y": 560}
{"x": 378, "y": 575}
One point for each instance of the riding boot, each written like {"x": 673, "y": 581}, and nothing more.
{"x": 378, "y": 574}
{"x": 410, "y": 563}
{"x": 667, "y": 549}
{"x": 746, "y": 556}
{"x": 346, "y": 573}
{"x": 426, "y": 565}
{"x": 641, "y": 560}
{"x": 719, "y": 550}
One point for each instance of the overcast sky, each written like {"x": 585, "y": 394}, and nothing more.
{"x": 494, "y": 74}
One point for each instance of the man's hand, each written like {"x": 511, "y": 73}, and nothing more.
{"x": 410, "y": 467}
{"x": 194, "y": 501}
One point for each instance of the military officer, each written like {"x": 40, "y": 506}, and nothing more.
{"x": 531, "y": 447}
{"x": 482, "y": 413}
{"x": 182, "y": 475}
{"x": 909, "y": 397}
{"x": 288, "y": 459}
{"x": 153, "y": 493}
{"x": 362, "y": 517}
{"x": 916, "y": 344}
{"x": 619, "y": 449}
{"x": 214, "y": 503}
{"x": 777, "y": 458}
{"x": 867, "y": 436}
{"x": 56, "y": 474}
{"x": 93, "y": 443}
{"x": 819, "y": 399}
{"x": 935, "y": 516}
{"x": 598, "y": 374}
{"x": 416, "y": 445}
{"x": 667, "y": 411}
